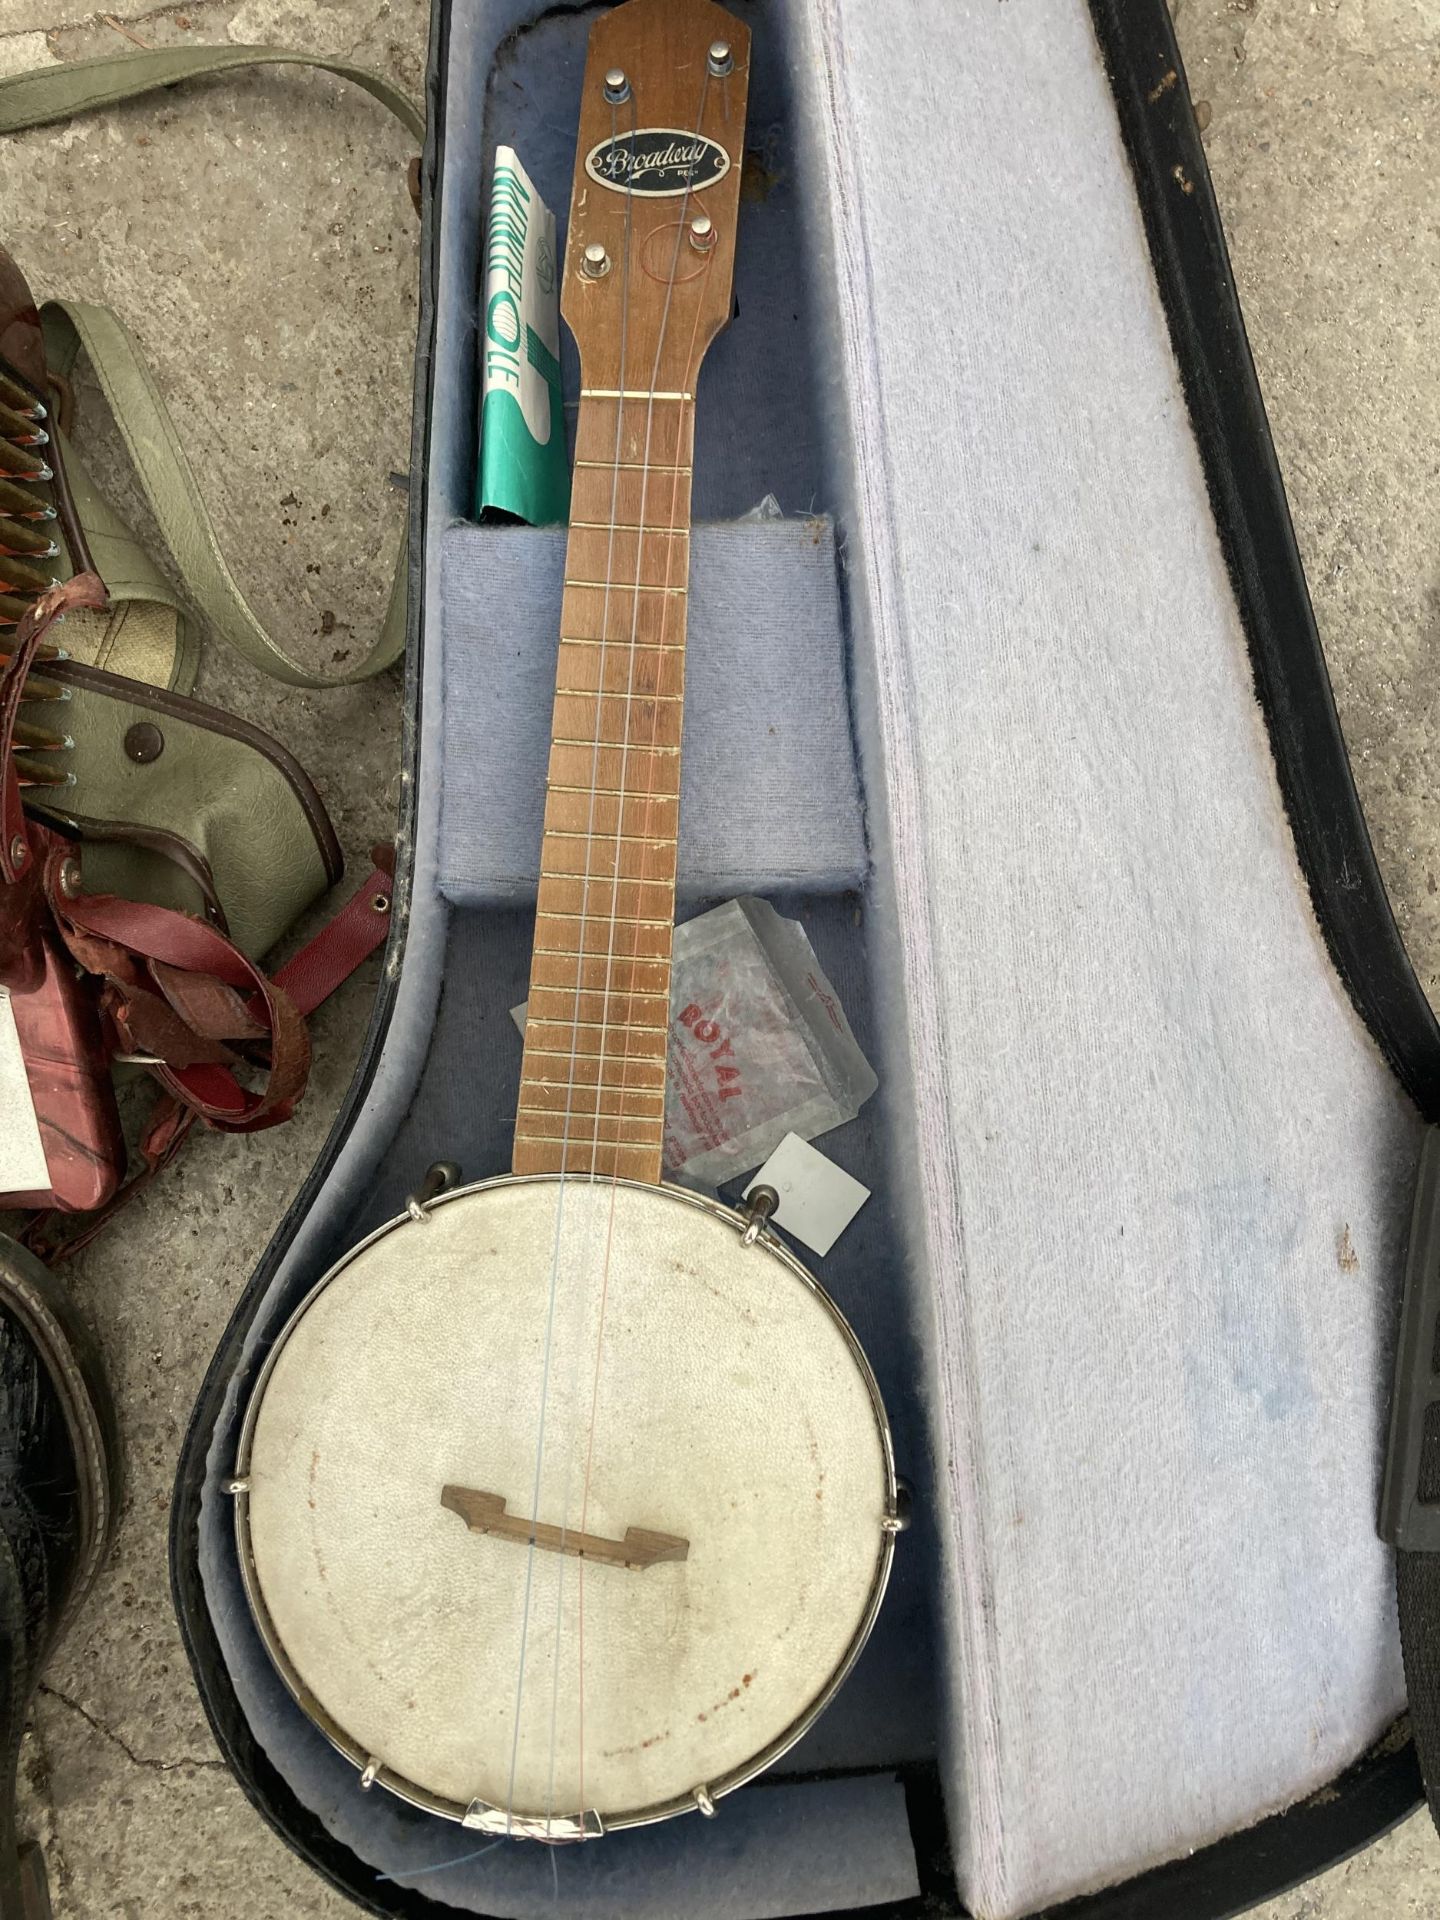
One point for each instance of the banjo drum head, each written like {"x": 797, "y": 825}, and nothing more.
{"x": 592, "y": 1358}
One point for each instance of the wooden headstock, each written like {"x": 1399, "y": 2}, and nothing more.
{"x": 658, "y": 156}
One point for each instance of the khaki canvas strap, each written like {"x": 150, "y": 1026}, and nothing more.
{"x": 78, "y": 86}
{"x": 165, "y": 475}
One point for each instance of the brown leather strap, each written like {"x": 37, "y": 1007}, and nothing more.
{"x": 174, "y": 847}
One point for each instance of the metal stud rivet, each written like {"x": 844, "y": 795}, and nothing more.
{"x": 70, "y": 879}
{"x": 19, "y": 851}
{"x": 617, "y": 87}
{"x": 702, "y": 233}
{"x": 722, "y": 60}
{"x": 144, "y": 742}
{"x": 596, "y": 263}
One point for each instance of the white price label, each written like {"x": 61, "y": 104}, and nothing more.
{"x": 23, "y": 1167}
{"x": 818, "y": 1200}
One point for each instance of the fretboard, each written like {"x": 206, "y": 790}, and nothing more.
{"x": 592, "y": 1087}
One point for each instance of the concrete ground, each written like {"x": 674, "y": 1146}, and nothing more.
{"x": 256, "y": 235}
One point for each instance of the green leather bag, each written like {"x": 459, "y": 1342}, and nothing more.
{"x": 181, "y": 805}
{"x": 173, "y": 802}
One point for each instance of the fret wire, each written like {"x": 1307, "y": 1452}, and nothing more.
{"x": 610, "y": 839}
{"x": 530, "y": 1083}
{"x": 630, "y": 393}
{"x": 625, "y": 586}
{"x": 591, "y": 953}
{"x": 630, "y": 526}
{"x": 590, "y": 1145}
{"x": 622, "y": 1085}
{"x": 641, "y": 646}
{"x": 611, "y": 793}
{"x": 624, "y": 919}
{"x": 623, "y": 993}
{"x": 614, "y": 693}
{"x": 595, "y": 1026}
{"x": 638, "y": 745}
{"x": 630, "y": 1129}
{"x": 608, "y": 1059}
{"x": 652, "y": 1116}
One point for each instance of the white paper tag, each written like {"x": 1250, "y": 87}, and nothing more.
{"x": 23, "y": 1168}
{"x": 818, "y": 1200}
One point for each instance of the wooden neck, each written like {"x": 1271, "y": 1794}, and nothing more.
{"x": 592, "y": 1088}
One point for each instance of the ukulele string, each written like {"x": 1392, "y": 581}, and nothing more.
{"x": 649, "y": 797}
{"x": 585, "y": 884}
{"x": 569, "y": 1110}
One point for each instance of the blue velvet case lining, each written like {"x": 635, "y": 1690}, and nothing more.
{"x": 769, "y": 792}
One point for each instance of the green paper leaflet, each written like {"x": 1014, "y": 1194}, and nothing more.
{"x": 523, "y": 468}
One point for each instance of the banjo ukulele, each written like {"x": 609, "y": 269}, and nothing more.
{"x": 566, "y": 1501}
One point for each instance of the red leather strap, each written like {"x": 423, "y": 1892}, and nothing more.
{"x": 85, "y": 590}
{"x": 139, "y": 950}
{"x": 339, "y": 947}
{"x": 22, "y": 842}
{"x": 162, "y": 1000}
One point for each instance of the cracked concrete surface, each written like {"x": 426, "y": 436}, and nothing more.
{"x": 255, "y": 233}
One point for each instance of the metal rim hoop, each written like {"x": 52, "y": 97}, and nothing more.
{"x": 479, "y": 1814}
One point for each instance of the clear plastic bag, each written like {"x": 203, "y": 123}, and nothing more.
{"x": 759, "y": 1044}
